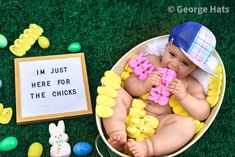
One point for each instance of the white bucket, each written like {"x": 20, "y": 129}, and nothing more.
{"x": 119, "y": 67}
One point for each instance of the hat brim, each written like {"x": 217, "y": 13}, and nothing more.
{"x": 204, "y": 67}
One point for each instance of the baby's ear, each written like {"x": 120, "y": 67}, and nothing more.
{"x": 52, "y": 128}
{"x": 61, "y": 126}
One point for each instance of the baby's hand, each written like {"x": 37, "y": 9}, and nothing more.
{"x": 153, "y": 79}
{"x": 178, "y": 88}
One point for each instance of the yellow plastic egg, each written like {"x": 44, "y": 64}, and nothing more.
{"x": 35, "y": 150}
{"x": 43, "y": 42}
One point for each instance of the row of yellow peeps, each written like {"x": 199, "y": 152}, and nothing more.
{"x": 140, "y": 126}
{"x": 215, "y": 87}
{"x": 105, "y": 101}
{"x": 27, "y": 39}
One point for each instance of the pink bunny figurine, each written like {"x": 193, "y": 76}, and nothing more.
{"x": 58, "y": 140}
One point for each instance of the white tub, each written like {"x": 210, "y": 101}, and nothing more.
{"x": 119, "y": 67}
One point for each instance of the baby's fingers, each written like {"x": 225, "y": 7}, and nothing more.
{"x": 173, "y": 87}
{"x": 156, "y": 73}
{"x": 155, "y": 81}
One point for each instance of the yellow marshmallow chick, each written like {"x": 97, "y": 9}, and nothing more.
{"x": 151, "y": 121}
{"x": 141, "y": 137}
{"x": 113, "y": 76}
{"x": 138, "y": 104}
{"x": 5, "y": 114}
{"x": 137, "y": 113}
{"x": 124, "y": 75}
{"x": 147, "y": 130}
{"x": 135, "y": 121}
{"x": 133, "y": 131}
{"x": 145, "y": 96}
{"x": 198, "y": 125}
{"x": 128, "y": 69}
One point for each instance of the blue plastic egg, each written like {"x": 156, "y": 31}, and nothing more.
{"x": 0, "y": 83}
{"x": 82, "y": 148}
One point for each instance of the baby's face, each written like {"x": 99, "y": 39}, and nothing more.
{"x": 174, "y": 59}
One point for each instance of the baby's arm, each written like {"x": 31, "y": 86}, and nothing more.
{"x": 191, "y": 97}
{"x": 137, "y": 87}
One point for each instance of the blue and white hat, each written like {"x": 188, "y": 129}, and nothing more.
{"x": 196, "y": 42}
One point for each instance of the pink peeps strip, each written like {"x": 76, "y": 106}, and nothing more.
{"x": 141, "y": 66}
{"x": 160, "y": 94}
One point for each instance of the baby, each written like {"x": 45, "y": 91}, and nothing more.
{"x": 189, "y": 47}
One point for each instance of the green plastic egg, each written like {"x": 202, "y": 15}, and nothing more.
{"x": 74, "y": 47}
{"x": 43, "y": 42}
{"x": 8, "y": 143}
{"x": 35, "y": 150}
{"x": 3, "y": 41}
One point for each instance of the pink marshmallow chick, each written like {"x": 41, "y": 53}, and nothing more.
{"x": 167, "y": 75}
{"x": 141, "y": 66}
{"x": 161, "y": 90}
{"x": 134, "y": 62}
{"x": 161, "y": 94}
{"x": 158, "y": 98}
{"x": 163, "y": 100}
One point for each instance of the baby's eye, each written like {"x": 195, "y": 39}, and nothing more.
{"x": 185, "y": 63}
{"x": 60, "y": 135}
{"x": 172, "y": 54}
{"x": 55, "y": 136}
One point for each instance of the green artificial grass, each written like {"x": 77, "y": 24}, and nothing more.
{"x": 107, "y": 30}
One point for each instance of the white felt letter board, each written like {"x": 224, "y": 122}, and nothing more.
{"x": 51, "y": 87}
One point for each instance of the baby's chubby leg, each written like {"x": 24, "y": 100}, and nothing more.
{"x": 115, "y": 126}
{"x": 173, "y": 132}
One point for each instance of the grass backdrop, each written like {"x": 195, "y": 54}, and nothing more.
{"x": 107, "y": 30}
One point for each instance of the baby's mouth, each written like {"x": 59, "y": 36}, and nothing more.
{"x": 176, "y": 71}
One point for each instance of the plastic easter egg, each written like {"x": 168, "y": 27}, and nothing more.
{"x": 82, "y": 148}
{"x": 43, "y": 42}
{"x": 0, "y": 83}
{"x": 35, "y": 150}
{"x": 3, "y": 41}
{"x": 8, "y": 144}
{"x": 74, "y": 47}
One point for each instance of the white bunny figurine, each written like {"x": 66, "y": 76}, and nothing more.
{"x": 58, "y": 140}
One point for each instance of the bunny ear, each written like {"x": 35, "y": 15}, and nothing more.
{"x": 52, "y": 128}
{"x": 61, "y": 126}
